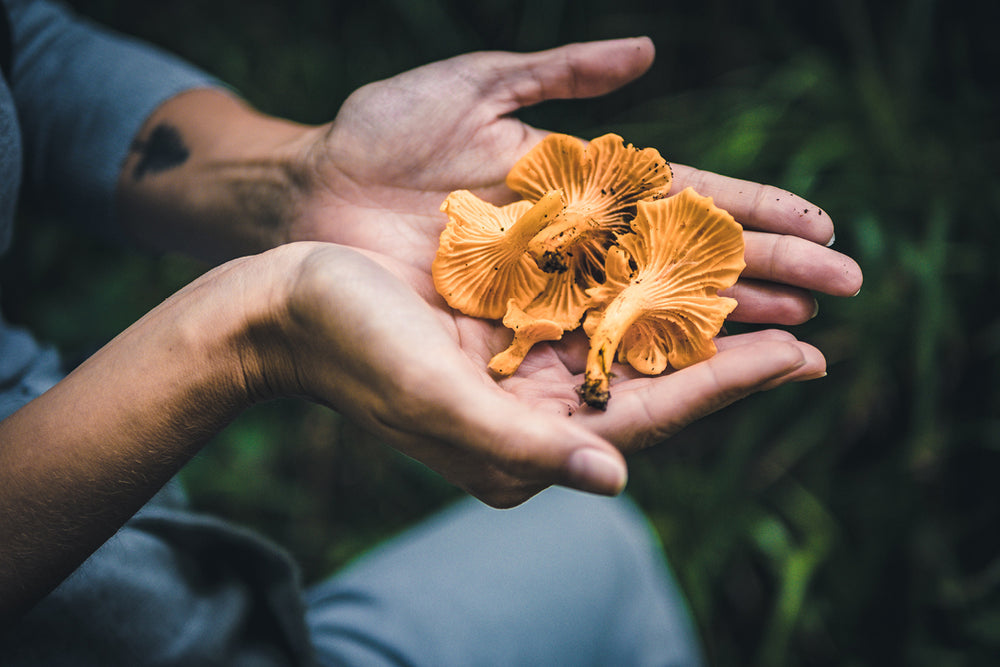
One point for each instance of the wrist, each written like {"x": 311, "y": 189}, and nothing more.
{"x": 211, "y": 176}
{"x": 84, "y": 456}
{"x": 233, "y": 320}
{"x": 256, "y": 330}
{"x": 194, "y": 348}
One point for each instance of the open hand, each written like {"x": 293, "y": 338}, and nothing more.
{"x": 353, "y": 333}
{"x": 418, "y": 369}
{"x": 399, "y": 146}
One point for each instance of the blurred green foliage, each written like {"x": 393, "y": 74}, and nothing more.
{"x": 848, "y": 521}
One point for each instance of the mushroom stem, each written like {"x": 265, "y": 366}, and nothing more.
{"x": 528, "y": 330}
{"x": 548, "y": 247}
{"x": 535, "y": 219}
{"x": 507, "y": 361}
{"x": 616, "y": 320}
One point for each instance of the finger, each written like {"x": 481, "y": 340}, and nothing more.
{"x": 644, "y": 412}
{"x": 769, "y": 303}
{"x": 756, "y": 206}
{"x": 794, "y": 261}
{"x": 817, "y": 364}
{"x": 500, "y": 449}
{"x": 574, "y": 355}
{"x": 489, "y": 442}
{"x": 723, "y": 343}
{"x": 481, "y": 438}
{"x": 579, "y": 70}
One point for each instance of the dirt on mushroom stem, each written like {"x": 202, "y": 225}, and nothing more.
{"x": 548, "y": 248}
{"x": 620, "y": 314}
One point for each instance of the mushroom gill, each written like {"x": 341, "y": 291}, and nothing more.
{"x": 659, "y": 305}
{"x": 481, "y": 263}
{"x": 561, "y": 303}
{"x": 602, "y": 181}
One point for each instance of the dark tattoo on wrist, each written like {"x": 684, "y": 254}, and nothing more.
{"x": 264, "y": 191}
{"x": 164, "y": 149}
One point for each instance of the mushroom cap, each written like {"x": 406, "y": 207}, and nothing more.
{"x": 602, "y": 182}
{"x": 481, "y": 262}
{"x": 660, "y": 298}
{"x": 605, "y": 178}
{"x": 557, "y": 309}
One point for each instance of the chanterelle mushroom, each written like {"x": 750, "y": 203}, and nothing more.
{"x": 528, "y": 329}
{"x": 557, "y": 309}
{"x": 659, "y": 305}
{"x": 481, "y": 262}
{"x": 653, "y": 297}
{"x": 601, "y": 181}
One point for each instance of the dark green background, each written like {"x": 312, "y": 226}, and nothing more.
{"x": 848, "y": 521}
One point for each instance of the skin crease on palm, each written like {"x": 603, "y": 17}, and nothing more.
{"x": 370, "y": 163}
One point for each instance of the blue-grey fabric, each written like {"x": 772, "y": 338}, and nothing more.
{"x": 81, "y": 94}
{"x": 77, "y": 95}
{"x": 566, "y": 579}
{"x": 172, "y": 587}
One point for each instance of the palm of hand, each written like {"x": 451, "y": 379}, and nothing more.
{"x": 398, "y": 147}
{"x": 399, "y": 173}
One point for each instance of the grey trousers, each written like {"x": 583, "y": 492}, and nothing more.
{"x": 565, "y": 579}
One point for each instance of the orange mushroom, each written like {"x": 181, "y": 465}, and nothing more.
{"x": 481, "y": 263}
{"x": 528, "y": 329}
{"x": 602, "y": 182}
{"x": 543, "y": 262}
{"x": 659, "y": 305}
{"x": 557, "y": 309}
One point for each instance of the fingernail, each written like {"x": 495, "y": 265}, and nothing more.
{"x": 815, "y": 309}
{"x": 833, "y": 239}
{"x": 597, "y": 471}
{"x": 856, "y": 293}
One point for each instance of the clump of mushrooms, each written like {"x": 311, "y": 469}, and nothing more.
{"x": 594, "y": 234}
{"x": 600, "y": 182}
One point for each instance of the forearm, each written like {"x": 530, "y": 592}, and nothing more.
{"x": 212, "y": 177}
{"x": 76, "y": 462}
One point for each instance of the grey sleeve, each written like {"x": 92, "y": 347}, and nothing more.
{"x": 82, "y": 93}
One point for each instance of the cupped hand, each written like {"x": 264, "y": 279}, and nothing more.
{"x": 414, "y": 371}
{"x": 399, "y": 146}
{"x": 354, "y": 332}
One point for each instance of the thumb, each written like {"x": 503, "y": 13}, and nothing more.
{"x": 586, "y": 69}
